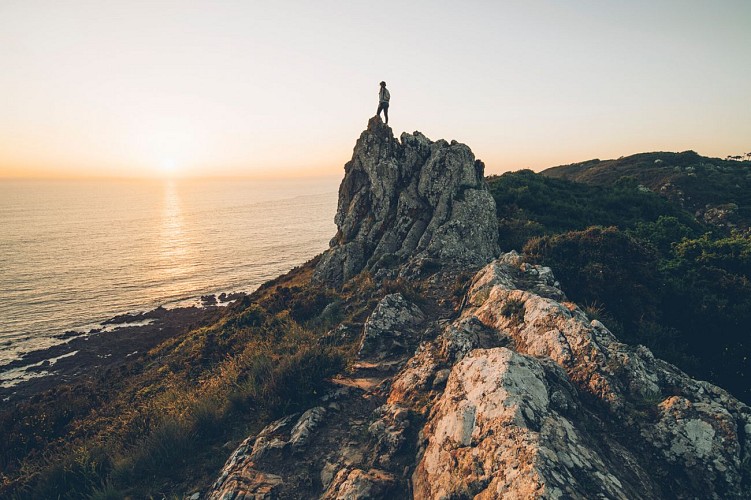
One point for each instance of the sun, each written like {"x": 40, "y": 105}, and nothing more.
{"x": 168, "y": 167}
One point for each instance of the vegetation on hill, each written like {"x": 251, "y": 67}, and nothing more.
{"x": 161, "y": 423}
{"x": 641, "y": 263}
{"x": 529, "y": 205}
{"x": 696, "y": 183}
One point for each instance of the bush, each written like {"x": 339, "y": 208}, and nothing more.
{"x": 664, "y": 233}
{"x": 75, "y": 474}
{"x": 605, "y": 266}
{"x": 254, "y": 315}
{"x": 531, "y": 205}
{"x": 159, "y": 455}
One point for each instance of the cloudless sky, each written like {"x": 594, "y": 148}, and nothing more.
{"x": 261, "y": 88}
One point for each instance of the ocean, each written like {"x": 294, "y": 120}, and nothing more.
{"x": 76, "y": 253}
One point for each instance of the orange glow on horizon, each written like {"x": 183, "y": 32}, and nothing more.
{"x": 250, "y": 90}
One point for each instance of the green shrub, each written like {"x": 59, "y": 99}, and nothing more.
{"x": 252, "y": 316}
{"x": 108, "y": 492}
{"x": 207, "y": 419}
{"x": 531, "y": 205}
{"x": 664, "y": 233}
{"x": 604, "y": 266}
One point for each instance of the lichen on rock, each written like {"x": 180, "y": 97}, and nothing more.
{"x": 567, "y": 410}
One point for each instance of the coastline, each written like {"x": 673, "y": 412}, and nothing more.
{"x": 121, "y": 339}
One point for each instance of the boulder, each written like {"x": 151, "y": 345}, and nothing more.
{"x": 496, "y": 433}
{"x": 389, "y": 327}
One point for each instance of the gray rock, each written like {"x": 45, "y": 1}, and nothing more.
{"x": 441, "y": 376}
{"x": 494, "y": 433}
{"x": 305, "y": 426}
{"x": 270, "y": 438}
{"x": 327, "y": 474}
{"x": 247, "y": 483}
{"x": 241, "y": 476}
{"x": 408, "y": 201}
{"x": 388, "y": 327}
{"x": 388, "y": 431}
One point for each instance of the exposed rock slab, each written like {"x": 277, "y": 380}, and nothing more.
{"x": 242, "y": 477}
{"x": 351, "y": 484}
{"x": 572, "y": 412}
{"x": 495, "y": 433}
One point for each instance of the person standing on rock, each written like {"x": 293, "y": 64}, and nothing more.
{"x": 383, "y": 102}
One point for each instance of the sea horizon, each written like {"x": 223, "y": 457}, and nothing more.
{"x": 77, "y": 252}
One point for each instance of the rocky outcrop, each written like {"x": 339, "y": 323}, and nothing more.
{"x": 515, "y": 394}
{"x": 566, "y": 410}
{"x": 356, "y": 483}
{"x": 242, "y": 476}
{"x": 412, "y": 201}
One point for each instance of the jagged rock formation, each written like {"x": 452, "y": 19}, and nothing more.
{"x": 517, "y": 394}
{"x": 414, "y": 200}
{"x": 565, "y": 410}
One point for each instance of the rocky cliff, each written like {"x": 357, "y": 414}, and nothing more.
{"x": 515, "y": 393}
{"x": 412, "y": 201}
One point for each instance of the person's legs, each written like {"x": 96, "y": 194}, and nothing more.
{"x": 380, "y": 107}
{"x": 386, "y": 112}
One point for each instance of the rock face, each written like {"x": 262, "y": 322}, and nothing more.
{"x": 406, "y": 201}
{"x": 566, "y": 411}
{"x": 515, "y": 394}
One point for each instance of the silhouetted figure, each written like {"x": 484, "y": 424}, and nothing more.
{"x": 383, "y": 102}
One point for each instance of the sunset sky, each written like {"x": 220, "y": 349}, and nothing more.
{"x": 189, "y": 88}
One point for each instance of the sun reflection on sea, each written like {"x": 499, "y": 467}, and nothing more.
{"x": 175, "y": 248}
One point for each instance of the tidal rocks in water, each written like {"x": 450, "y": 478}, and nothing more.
{"x": 68, "y": 334}
{"x": 97, "y": 351}
{"x": 208, "y": 300}
{"x": 408, "y": 201}
{"x": 129, "y": 318}
{"x": 228, "y": 297}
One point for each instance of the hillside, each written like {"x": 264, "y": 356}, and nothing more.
{"x": 646, "y": 265}
{"x": 424, "y": 356}
{"x": 716, "y": 191}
